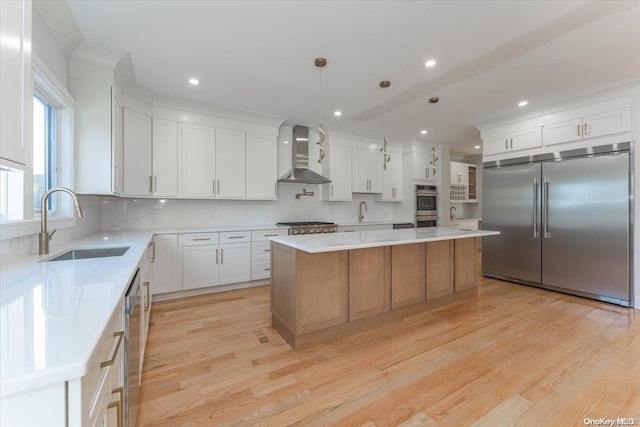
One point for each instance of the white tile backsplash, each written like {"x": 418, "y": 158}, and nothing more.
{"x": 151, "y": 214}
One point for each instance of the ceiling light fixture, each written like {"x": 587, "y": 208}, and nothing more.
{"x": 430, "y": 63}
{"x": 522, "y": 103}
{"x": 477, "y": 147}
{"x": 385, "y": 157}
{"x": 337, "y": 113}
{"x": 423, "y": 132}
{"x": 194, "y": 81}
{"x": 286, "y": 142}
{"x": 320, "y": 63}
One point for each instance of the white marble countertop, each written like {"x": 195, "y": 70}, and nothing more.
{"x": 53, "y": 313}
{"x": 316, "y": 243}
{"x": 465, "y": 219}
{"x": 219, "y": 229}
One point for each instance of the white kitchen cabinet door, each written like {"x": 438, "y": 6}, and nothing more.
{"x": 525, "y": 139}
{"x": 339, "y": 172}
{"x": 165, "y": 158}
{"x": 235, "y": 263}
{"x": 230, "y": 164}
{"x": 200, "y": 266}
{"x": 15, "y": 81}
{"x": 197, "y": 166}
{"x": 422, "y": 169}
{"x": 392, "y": 179}
{"x": 165, "y": 264}
{"x": 561, "y": 132}
{"x": 608, "y": 123}
{"x": 496, "y": 145}
{"x": 374, "y": 163}
{"x": 367, "y": 171}
{"x": 262, "y": 166}
{"x": 137, "y": 153}
{"x": 116, "y": 144}
{"x": 459, "y": 173}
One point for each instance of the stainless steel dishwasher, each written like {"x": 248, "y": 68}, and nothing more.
{"x": 132, "y": 326}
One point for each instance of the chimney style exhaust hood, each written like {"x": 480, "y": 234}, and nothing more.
{"x": 300, "y": 160}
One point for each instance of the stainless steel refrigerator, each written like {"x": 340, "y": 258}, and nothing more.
{"x": 565, "y": 222}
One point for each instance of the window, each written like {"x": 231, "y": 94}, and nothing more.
{"x": 45, "y": 151}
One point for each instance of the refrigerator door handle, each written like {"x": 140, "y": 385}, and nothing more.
{"x": 535, "y": 208}
{"x": 545, "y": 208}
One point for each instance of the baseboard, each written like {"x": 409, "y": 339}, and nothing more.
{"x": 210, "y": 290}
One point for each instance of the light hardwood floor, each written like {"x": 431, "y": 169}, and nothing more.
{"x": 514, "y": 355}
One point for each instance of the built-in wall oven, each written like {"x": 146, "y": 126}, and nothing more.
{"x": 426, "y": 206}
{"x": 132, "y": 351}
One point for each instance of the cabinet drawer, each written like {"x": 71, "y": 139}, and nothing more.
{"x": 261, "y": 251}
{"x": 235, "y": 237}
{"x": 197, "y": 239}
{"x": 260, "y": 270}
{"x": 260, "y": 235}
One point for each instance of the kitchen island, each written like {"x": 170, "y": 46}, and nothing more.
{"x": 328, "y": 286}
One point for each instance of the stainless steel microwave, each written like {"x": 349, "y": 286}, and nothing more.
{"x": 426, "y": 200}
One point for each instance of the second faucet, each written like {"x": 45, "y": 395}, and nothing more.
{"x": 361, "y": 216}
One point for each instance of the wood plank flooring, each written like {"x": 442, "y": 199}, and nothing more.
{"x": 512, "y": 356}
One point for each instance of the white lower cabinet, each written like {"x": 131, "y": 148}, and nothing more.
{"x": 200, "y": 266}
{"x": 235, "y": 263}
{"x": 165, "y": 264}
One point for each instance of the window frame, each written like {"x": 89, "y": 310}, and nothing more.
{"x": 52, "y": 151}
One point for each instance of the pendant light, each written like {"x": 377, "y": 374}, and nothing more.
{"x": 320, "y": 63}
{"x": 385, "y": 157}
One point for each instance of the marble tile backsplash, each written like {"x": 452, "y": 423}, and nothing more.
{"x": 12, "y": 249}
{"x": 153, "y": 214}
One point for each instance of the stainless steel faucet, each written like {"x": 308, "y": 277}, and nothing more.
{"x": 452, "y": 212}
{"x": 361, "y": 217}
{"x": 44, "y": 235}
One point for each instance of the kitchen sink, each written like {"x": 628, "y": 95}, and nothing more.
{"x": 91, "y": 253}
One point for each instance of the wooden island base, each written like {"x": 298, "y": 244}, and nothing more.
{"x": 319, "y": 297}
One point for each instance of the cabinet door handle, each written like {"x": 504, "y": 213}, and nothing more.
{"x": 120, "y": 336}
{"x": 270, "y": 235}
{"x": 221, "y": 256}
{"x": 506, "y": 144}
{"x": 218, "y": 182}
{"x": 150, "y": 183}
{"x": 217, "y": 256}
{"x": 146, "y": 302}
{"x": 267, "y": 250}
{"x": 155, "y": 183}
{"x": 511, "y": 143}
{"x": 236, "y": 237}
{"x": 579, "y": 130}
{"x": 201, "y": 239}
{"x": 214, "y": 186}
{"x": 267, "y": 269}
{"x": 585, "y": 132}
{"x": 153, "y": 246}
{"x": 119, "y": 404}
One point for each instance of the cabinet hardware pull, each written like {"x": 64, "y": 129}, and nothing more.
{"x": 267, "y": 250}
{"x": 120, "y": 335}
{"x": 146, "y": 302}
{"x": 267, "y": 269}
{"x": 216, "y": 256}
{"x": 155, "y": 183}
{"x": 214, "y": 186}
{"x": 150, "y": 183}
{"x": 512, "y": 143}
{"x": 332, "y": 191}
{"x": 270, "y": 235}
{"x": 236, "y": 237}
{"x": 506, "y": 144}
{"x": 221, "y": 256}
{"x": 218, "y": 181}
{"x": 201, "y": 238}
{"x": 349, "y": 231}
{"x": 153, "y": 246}
{"x": 119, "y": 404}
{"x": 579, "y": 129}
{"x": 585, "y": 132}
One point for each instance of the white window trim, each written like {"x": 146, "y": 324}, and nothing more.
{"x": 48, "y": 85}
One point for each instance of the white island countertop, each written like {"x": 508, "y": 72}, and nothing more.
{"x": 53, "y": 313}
{"x": 316, "y": 243}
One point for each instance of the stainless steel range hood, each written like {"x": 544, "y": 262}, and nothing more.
{"x": 300, "y": 160}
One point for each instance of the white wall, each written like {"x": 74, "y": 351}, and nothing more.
{"x": 153, "y": 214}
{"x": 48, "y": 49}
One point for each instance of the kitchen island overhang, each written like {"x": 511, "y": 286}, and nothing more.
{"x": 327, "y": 286}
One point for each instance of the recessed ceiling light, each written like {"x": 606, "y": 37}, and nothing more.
{"x": 423, "y": 132}
{"x": 286, "y": 142}
{"x": 430, "y": 63}
{"x": 477, "y": 147}
{"x": 337, "y": 113}
{"x": 194, "y": 81}
{"x": 522, "y": 103}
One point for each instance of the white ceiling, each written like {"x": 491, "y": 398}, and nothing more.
{"x": 258, "y": 56}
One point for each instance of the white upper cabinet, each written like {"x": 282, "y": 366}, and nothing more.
{"x": 198, "y": 155}
{"x": 514, "y": 141}
{"x": 262, "y": 166}
{"x": 565, "y": 131}
{"x": 425, "y": 166}
{"x": 367, "y": 171}
{"x": 337, "y": 167}
{"x": 15, "y": 81}
{"x": 590, "y": 126}
{"x": 116, "y": 145}
{"x": 392, "y": 178}
{"x": 230, "y": 163}
{"x": 137, "y": 154}
{"x": 165, "y": 158}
